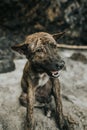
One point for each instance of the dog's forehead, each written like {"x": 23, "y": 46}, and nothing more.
{"x": 42, "y": 37}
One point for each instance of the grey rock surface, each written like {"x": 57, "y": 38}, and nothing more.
{"x": 74, "y": 97}
{"x": 6, "y": 66}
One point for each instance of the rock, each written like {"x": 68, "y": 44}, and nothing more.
{"x": 5, "y": 48}
{"x": 6, "y": 54}
{"x": 5, "y": 43}
{"x": 79, "y": 57}
{"x": 6, "y": 66}
{"x": 74, "y": 91}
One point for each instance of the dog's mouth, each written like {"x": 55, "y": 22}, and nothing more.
{"x": 54, "y": 74}
{"x": 51, "y": 69}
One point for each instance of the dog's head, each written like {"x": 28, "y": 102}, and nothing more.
{"x": 42, "y": 52}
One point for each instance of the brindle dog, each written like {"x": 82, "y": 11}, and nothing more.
{"x": 40, "y": 75}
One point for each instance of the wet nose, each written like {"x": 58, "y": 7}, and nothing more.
{"x": 60, "y": 64}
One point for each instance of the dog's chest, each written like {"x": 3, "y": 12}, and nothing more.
{"x": 43, "y": 78}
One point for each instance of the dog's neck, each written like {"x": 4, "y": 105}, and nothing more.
{"x": 39, "y": 79}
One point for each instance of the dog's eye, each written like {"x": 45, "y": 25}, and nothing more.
{"x": 39, "y": 50}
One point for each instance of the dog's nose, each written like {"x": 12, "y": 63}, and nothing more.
{"x": 60, "y": 64}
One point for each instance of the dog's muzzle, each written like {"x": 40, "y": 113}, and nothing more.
{"x": 57, "y": 67}
{"x": 51, "y": 68}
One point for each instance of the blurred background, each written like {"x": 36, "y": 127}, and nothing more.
{"x": 19, "y": 18}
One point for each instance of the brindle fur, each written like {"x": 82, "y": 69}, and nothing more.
{"x": 37, "y": 82}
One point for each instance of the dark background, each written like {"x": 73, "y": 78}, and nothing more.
{"x": 19, "y": 18}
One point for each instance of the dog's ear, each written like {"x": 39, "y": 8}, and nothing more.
{"x": 21, "y": 48}
{"x": 58, "y": 35}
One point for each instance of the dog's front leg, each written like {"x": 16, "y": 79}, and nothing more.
{"x": 30, "y": 106}
{"x": 57, "y": 96}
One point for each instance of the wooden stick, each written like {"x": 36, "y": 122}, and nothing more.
{"x": 72, "y": 47}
